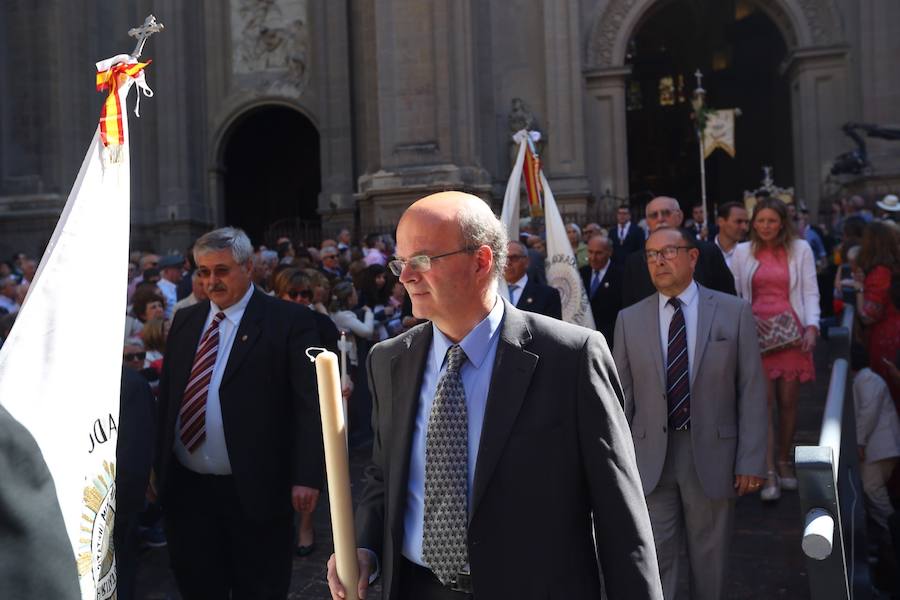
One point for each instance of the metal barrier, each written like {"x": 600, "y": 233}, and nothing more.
{"x": 831, "y": 495}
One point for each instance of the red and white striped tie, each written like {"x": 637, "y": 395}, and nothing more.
{"x": 193, "y": 405}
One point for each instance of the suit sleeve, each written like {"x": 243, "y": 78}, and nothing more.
{"x": 554, "y": 304}
{"x": 36, "y": 558}
{"x": 370, "y": 521}
{"x": 753, "y": 418}
{"x": 809, "y": 286}
{"x": 624, "y": 539}
{"x": 308, "y": 464}
{"x": 620, "y": 355}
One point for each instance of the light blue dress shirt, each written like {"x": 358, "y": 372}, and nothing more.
{"x": 211, "y": 456}
{"x": 480, "y": 346}
{"x": 689, "y": 304}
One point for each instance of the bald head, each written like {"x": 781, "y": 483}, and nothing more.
{"x": 465, "y": 246}
{"x": 599, "y": 251}
{"x": 475, "y": 223}
{"x": 663, "y": 211}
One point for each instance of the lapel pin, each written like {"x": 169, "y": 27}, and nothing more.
{"x": 529, "y": 300}
{"x": 606, "y": 284}
{"x": 244, "y": 338}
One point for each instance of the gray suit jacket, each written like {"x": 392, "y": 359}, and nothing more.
{"x": 555, "y": 444}
{"x": 728, "y": 391}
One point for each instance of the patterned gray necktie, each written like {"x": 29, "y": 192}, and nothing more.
{"x": 446, "y": 468}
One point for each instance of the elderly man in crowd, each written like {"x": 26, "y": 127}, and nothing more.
{"x": 602, "y": 279}
{"x": 710, "y": 271}
{"x": 240, "y": 439}
{"x": 499, "y": 437}
{"x": 695, "y": 398}
{"x": 524, "y": 292}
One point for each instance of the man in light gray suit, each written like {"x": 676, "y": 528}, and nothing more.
{"x": 695, "y": 397}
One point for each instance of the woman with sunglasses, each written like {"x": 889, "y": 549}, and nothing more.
{"x": 293, "y": 285}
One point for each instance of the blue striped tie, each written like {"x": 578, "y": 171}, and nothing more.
{"x": 678, "y": 385}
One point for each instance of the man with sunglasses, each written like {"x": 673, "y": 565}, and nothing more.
{"x": 524, "y": 292}
{"x": 499, "y": 437}
{"x": 711, "y": 270}
{"x": 695, "y": 397}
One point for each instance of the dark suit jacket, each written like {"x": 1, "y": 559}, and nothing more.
{"x": 634, "y": 241}
{"x": 270, "y": 406}
{"x": 554, "y": 444}
{"x": 607, "y": 301}
{"x": 36, "y": 558}
{"x": 136, "y": 442}
{"x": 541, "y": 299}
{"x": 711, "y": 272}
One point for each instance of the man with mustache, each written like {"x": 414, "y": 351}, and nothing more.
{"x": 240, "y": 439}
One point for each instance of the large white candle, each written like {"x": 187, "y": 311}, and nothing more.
{"x": 337, "y": 463}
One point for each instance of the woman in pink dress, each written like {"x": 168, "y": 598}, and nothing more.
{"x": 776, "y": 272}
{"x": 878, "y": 263}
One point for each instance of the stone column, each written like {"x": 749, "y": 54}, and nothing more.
{"x": 819, "y": 107}
{"x": 607, "y": 87}
{"x": 426, "y": 96}
{"x": 563, "y": 158}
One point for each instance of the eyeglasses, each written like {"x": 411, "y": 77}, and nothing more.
{"x": 664, "y": 213}
{"x": 303, "y": 293}
{"x": 420, "y": 263}
{"x": 668, "y": 252}
{"x": 219, "y": 271}
{"x": 134, "y": 356}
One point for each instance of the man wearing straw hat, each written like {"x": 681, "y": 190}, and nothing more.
{"x": 502, "y": 463}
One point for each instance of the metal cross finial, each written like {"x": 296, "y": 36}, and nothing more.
{"x": 143, "y": 32}
{"x": 699, "y": 76}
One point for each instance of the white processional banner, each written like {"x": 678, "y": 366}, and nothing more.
{"x": 562, "y": 268}
{"x": 719, "y": 132}
{"x": 61, "y": 366}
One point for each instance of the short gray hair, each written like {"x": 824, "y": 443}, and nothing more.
{"x": 477, "y": 230}
{"x": 225, "y": 238}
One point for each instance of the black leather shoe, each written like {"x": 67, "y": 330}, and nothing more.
{"x": 305, "y": 550}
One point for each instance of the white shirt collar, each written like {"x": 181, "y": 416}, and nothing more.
{"x": 687, "y": 297}
{"x": 234, "y": 312}
{"x": 727, "y": 253}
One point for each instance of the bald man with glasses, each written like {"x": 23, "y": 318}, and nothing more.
{"x": 502, "y": 465}
{"x": 710, "y": 271}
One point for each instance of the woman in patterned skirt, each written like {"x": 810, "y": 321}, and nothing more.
{"x": 775, "y": 271}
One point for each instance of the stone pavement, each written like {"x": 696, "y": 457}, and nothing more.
{"x": 766, "y": 561}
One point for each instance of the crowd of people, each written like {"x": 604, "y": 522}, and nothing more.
{"x": 741, "y": 297}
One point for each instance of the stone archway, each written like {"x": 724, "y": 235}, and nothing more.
{"x": 267, "y": 170}
{"x": 816, "y": 69}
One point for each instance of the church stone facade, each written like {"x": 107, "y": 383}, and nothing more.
{"x": 407, "y": 96}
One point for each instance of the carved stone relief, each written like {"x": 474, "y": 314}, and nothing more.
{"x": 820, "y": 16}
{"x": 271, "y": 43}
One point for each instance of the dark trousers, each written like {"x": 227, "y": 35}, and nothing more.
{"x": 127, "y": 547}
{"x": 216, "y": 550}
{"x": 419, "y": 583}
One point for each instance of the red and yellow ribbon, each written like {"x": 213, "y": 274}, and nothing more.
{"x": 533, "y": 186}
{"x": 112, "y": 130}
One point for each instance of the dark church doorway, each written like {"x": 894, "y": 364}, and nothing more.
{"x": 272, "y": 171}
{"x": 739, "y": 50}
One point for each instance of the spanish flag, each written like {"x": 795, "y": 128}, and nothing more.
{"x": 71, "y": 405}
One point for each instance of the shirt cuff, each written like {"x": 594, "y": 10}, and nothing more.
{"x": 377, "y": 572}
